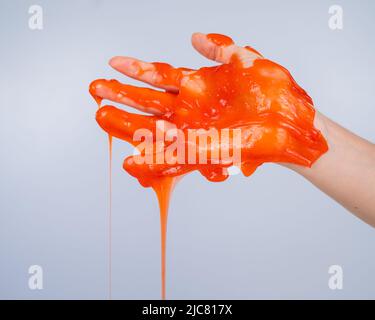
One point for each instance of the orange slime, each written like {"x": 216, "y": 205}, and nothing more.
{"x": 163, "y": 188}
{"x": 110, "y": 220}
{"x": 110, "y": 144}
{"x": 259, "y": 97}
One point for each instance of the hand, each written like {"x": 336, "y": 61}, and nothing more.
{"x": 245, "y": 91}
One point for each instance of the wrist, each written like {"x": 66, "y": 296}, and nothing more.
{"x": 320, "y": 123}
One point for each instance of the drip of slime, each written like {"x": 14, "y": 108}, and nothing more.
{"x": 163, "y": 188}
{"x": 110, "y": 144}
{"x": 110, "y": 219}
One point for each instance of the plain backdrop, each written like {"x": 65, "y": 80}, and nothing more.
{"x": 272, "y": 235}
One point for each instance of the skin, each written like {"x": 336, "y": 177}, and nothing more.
{"x": 346, "y": 172}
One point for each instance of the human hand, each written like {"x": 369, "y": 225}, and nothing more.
{"x": 245, "y": 91}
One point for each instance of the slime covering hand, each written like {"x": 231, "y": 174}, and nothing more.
{"x": 245, "y": 91}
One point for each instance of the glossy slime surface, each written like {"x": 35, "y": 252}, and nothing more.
{"x": 245, "y": 91}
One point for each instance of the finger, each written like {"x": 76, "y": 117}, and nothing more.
{"x": 146, "y": 172}
{"x": 122, "y": 124}
{"x": 222, "y": 49}
{"x": 144, "y": 99}
{"x": 157, "y": 74}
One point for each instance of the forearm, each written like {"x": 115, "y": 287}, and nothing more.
{"x": 347, "y": 171}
